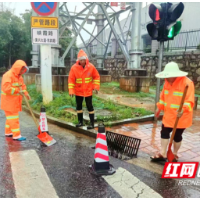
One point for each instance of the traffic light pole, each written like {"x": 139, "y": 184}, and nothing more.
{"x": 159, "y": 70}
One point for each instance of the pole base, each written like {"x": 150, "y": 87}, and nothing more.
{"x": 110, "y": 171}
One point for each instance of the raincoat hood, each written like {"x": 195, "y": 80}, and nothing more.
{"x": 81, "y": 56}
{"x": 17, "y": 66}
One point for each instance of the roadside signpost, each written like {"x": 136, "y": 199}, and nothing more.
{"x": 44, "y": 32}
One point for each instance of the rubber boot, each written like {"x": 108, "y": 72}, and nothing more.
{"x": 91, "y": 126}
{"x": 177, "y": 146}
{"x": 80, "y": 120}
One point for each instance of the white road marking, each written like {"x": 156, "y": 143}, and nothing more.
{"x": 128, "y": 186}
{"x": 30, "y": 177}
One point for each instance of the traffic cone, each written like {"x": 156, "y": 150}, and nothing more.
{"x": 43, "y": 129}
{"x": 101, "y": 164}
{"x": 43, "y": 120}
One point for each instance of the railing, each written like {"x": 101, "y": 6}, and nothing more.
{"x": 185, "y": 40}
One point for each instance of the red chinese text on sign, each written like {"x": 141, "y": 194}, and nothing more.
{"x": 114, "y": 3}
{"x": 180, "y": 170}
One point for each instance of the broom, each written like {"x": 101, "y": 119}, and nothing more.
{"x": 44, "y": 137}
{"x": 170, "y": 155}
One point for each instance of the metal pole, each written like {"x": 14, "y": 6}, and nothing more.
{"x": 120, "y": 28}
{"x": 108, "y": 42}
{"x": 186, "y": 42}
{"x": 98, "y": 34}
{"x": 100, "y": 47}
{"x": 115, "y": 33}
{"x": 159, "y": 70}
{"x": 79, "y": 30}
{"x": 135, "y": 36}
{"x": 90, "y": 34}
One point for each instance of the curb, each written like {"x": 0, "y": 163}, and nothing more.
{"x": 133, "y": 120}
{"x": 63, "y": 124}
{"x": 83, "y": 130}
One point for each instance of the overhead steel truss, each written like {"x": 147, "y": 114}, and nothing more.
{"x": 69, "y": 20}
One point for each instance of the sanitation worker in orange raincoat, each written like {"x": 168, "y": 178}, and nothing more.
{"x": 170, "y": 98}
{"x": 12, "y": 87}
{"x": 83, "y": 79}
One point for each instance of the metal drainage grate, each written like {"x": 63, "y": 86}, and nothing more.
{"x": 122, "y": 145}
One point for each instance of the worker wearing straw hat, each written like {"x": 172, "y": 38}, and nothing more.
{"x": 170, "y": 98}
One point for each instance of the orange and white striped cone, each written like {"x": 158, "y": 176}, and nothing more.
{"x": 101, "y": 164}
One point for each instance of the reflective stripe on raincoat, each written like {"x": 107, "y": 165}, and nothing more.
{"x": 81, "y": 80}
{"x": 170, "y": 99}
{"x": 11, "y": 101}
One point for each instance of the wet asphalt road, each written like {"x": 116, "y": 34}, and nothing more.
{"x": 66, "y": 164}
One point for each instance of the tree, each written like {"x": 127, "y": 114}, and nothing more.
{"x": 14, "y": 39}
{"x": 27, "y": 30}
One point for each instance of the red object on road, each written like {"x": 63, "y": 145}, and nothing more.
{"x": 101, "y": 164}
{"x": 42, "y": 136}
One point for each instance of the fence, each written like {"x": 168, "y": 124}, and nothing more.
{"x": 185, "y": 40}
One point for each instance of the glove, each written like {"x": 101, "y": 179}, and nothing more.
{"x": 71, "y": 95}
{"x": 179, "y": 114}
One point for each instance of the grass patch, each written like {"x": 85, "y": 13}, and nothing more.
{"x": 62, "y": 100}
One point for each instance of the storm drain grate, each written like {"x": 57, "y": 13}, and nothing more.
{"x": 121, "y": 144}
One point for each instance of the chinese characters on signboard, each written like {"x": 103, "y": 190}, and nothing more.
{"x": 44, "y": 30}
{"x": 44, "y": 36}
{"x": 44, "y": 22}
{"x": 114, "y": 3}
{"x": 123, "y": 5}
{"x": 43, "y": 122}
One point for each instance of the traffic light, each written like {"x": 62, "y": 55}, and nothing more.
{"x": 164, "y": 16}
{"x": 157, "y": 14}
{"x": 174, "y": 30}
{"x": 174, "y": 26}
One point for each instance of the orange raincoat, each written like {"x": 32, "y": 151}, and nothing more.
{"x": 11, "y": 100}
{"x": 170, "y": 99}
{"x": 81, "y": 80}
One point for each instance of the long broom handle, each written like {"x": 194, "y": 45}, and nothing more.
{"x": 30, "y": 109}
{"x": 179, "y": 110}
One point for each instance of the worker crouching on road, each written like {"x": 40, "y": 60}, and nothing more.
{"x": 170, "y": 98}
{"x": 83, "y": 79}
{"x": 12, "y": 87}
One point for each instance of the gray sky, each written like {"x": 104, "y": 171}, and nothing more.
{"x": 20, "y": 7}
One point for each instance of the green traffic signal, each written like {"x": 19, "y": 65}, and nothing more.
{"x": 174, "y": 30}
{"x": 171, "y": 32}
